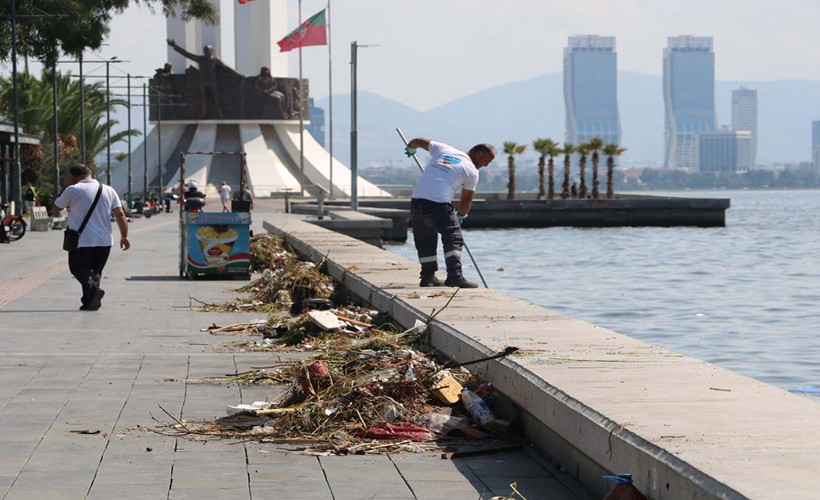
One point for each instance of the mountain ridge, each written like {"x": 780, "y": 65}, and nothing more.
{"x": 523, "y": 110}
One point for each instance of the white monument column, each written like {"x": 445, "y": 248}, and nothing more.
{"x": 258, "y": 25}
{"x": 192, "y": 36}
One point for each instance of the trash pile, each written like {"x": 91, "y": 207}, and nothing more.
{"x": 365, "y": 389}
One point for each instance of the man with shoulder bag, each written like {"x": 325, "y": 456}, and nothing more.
{"x": 88, "y": 239}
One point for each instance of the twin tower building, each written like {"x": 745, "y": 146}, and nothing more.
{"x": 693, "y": 140}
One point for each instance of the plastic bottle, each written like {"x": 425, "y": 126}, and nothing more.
{"x": 477, "y": 407}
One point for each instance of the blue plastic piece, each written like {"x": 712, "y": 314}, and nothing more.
{"x": 620, "y": 478}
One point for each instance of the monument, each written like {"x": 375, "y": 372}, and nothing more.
{"x": 200, "y": 104}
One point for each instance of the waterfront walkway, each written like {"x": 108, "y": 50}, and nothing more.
{"x": 64, "y": 372}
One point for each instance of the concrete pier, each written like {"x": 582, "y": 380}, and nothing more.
{"x": 595, "y": 400}
{"x": 490, "y": 211}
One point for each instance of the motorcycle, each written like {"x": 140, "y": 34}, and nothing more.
{"x": 13, "y": 227}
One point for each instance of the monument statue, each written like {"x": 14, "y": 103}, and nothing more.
{"x": 209, "y": 68}
{"x": 265, "y": 84}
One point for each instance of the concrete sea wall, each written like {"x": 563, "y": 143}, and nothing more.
{"x": 597, "y": 401}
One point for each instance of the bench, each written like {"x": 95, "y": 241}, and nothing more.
{"x": 61, "y": 221}
{"x": 40, "y": 220}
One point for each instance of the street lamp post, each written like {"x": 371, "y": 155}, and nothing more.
{"x": 128, "y": 79}
{"x": 108, "y": 117}
{"x": 16, "y": 186}
{"x": 145, "y": 138}
{"x": 354, "y": 134}
{"x": 354, "y": 152}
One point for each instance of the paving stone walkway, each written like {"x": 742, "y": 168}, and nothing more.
{"x": 79, "y": 392}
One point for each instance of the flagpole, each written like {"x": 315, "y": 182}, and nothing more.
{"x": 330, "y": 97}
{"x": 301, "y": 117}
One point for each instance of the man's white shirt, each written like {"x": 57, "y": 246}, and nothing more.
{"x": 448, "y": 172}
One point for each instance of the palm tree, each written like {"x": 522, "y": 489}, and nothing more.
{"x": 512, "y": 149}
{"x": 538, "y": 146}
{"x": 552, "y": 150}
{"x": 611, "y": 151}
{"x": 595, "y": 146}
{"x": 37, "y": 114}
{"x": 583, "y": 150}
{"x": 567, "y": 151}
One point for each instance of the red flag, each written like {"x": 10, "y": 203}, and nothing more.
{"x": 311, "y": 32}
{"x": 243, "y": 2}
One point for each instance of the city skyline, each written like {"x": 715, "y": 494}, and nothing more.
{"x": 471, "y": 40}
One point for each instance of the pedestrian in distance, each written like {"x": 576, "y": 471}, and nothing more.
{"x": 30, "y": 198}
{"x": 244, "y": 194}
{"x": 194, "y": 199}
{"x": 225, "y": 196}
{"x": 87, "y": 262}
{"x": 431, "y": 209}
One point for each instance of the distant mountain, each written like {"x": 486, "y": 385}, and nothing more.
{"x": 533, "y": 108}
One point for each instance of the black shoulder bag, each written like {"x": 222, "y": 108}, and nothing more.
{"x": 71, "y": 238}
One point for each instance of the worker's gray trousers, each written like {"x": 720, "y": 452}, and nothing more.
{"x": 429, "y": 219}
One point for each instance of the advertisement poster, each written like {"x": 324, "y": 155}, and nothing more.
{"x": 218, "y": 243}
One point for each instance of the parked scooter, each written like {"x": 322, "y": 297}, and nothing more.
{"x": 12, "y": 228}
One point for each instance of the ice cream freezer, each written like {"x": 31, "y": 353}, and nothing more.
{"x": 214, "y": 244}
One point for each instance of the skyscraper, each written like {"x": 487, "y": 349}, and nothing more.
{"x": 591, "y": 89}
{"x": 815, "y": 135}
{"x": 724, "y": 150}
{"x": 689, "y": 97}
{"x": 744, "y": 116}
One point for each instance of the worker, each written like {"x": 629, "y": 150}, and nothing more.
{"x": 431, "y": 209}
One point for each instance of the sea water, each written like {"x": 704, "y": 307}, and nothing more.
{"x": 745, "y": 296}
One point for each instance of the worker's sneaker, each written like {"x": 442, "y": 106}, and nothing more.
{"x": 430, "y": 281}
{"x": 459, "y": 281}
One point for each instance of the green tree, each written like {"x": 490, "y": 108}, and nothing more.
{"x": 84, "y": 25}
{"x": 545, "y": 148}
{"x": 583, "y": 150}
{"x": 595, "y": 146}
{"x": 37, "y": 115}
{"x": 611, "y": 151}
{"x": 512, "y": 149}
{"x": 568, "y": 150}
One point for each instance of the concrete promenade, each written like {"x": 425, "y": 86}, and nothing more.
{"x": 63, "y": 370}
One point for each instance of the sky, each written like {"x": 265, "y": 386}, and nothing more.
{"x": 433, "y": 51}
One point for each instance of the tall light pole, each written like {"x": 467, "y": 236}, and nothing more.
{"x": 354, "y": 134}
{"x": 82, "y": 111}
{"x": 354, "y": 145}
{"x": 145, "y": 138}
{"x": 128, "y": 79}
{"x": 16, "y": 186}
{"x": 108, "y": 117}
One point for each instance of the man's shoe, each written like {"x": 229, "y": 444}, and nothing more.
{"x": 459, "y": 282}
{"x": 96, "y": 300}
{"x": 430, "y": 281}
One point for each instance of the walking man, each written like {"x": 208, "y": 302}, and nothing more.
{"x": 431, "y": 208}
{"x": 225, "y": 196}
{"x": 86, "y": 263}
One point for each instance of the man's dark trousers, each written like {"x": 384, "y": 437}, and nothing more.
{"x": 86, "y": 265}
{"x": 429, "y": 219}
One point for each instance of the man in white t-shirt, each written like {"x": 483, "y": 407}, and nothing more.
{"x": 225, "y": 196}
{"x": 86, "y": 263}
{"x": 450, "y": 172}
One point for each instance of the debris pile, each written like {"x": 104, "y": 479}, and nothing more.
{"x": 368, "y": 387}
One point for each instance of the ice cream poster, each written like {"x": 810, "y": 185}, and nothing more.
{"x": 218, "y": 242}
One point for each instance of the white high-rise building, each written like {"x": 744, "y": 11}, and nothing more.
{"x": 744, "y": 116}
{"x": 689, "y": 97}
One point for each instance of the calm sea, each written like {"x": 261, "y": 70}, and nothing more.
{"x": 744, "y": 297}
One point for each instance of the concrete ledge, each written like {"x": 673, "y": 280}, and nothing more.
{"x": 595, "y": 400}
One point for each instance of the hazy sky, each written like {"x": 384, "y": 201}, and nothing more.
{"x": 433, "y": 51}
